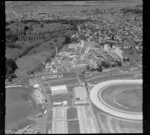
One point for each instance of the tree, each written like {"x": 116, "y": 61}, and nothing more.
{"x": 67, "y": 39}
{"x": 105, "y": 64}
{"x": 26, "y": 28}
{"x": 119, "y": 63}
{"x": 126, "y": 59}
{"x": 87, "y": 67}
{"x": 55, "y": 40}
{"x": 10, "y": 38}
{"x": 99, "y": 68}
{"x": 10, "y": 67}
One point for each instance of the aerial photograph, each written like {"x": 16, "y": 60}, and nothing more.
{"x": 74, "y": 67}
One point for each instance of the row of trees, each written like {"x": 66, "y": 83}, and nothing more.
{"x": 136, "y": 10}
{"x": 108, "y": 65}
{"x": 11, "y": 38}
{"x": 104, "y": 64}
{"x": 14, "y": 45}
{"x": 99, "y": 68}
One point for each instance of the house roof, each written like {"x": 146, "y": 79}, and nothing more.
{"x": 57, "y": 88}
{"x": 89, "y": 44}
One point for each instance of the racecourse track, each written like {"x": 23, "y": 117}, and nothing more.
{"x": 120, "y": 98}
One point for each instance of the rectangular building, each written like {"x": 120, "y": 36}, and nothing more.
{"x": 63, "y": 103}
{"x": 86, "y": 121}
{"x": 74, "y": 45}
{"x": 60, "y": 113}
{"x": 59, "y": 127}
{"x": 87, "y": 125}
{"x": 119, "y": 52}
{"x": 61, "y": 89}
{"x": 50, "y": 76}
{"x": 80, "y": 95}
{"x": 73, "y": 127}
{"x": 101, "y": 54}
{"x": 39, "y": 96}
{"x": 106, "y": 47}
{"x": 114, "y": 55}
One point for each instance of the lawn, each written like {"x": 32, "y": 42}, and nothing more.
{"x": 71, "y": 113}
{"x": 73, "y": 127}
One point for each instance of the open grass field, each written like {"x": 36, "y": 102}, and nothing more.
{"x": 71, "y": 113}
{"x": 73, "y": 127}
{"x": 129, "y": 96}
{"x": 18, "y": 106}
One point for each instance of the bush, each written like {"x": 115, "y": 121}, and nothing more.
{"x": 99, "y": 68}
{"x": 105, "y": 64}
{"x": 10, "y": 67}
{"x": 67, "y": 40}
{"x": 119, "y": 63}
{"x": 11, "y": 45}
{"x": 11, "y": 38}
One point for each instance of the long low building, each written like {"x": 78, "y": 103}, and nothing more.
{"x": 59, "y": 127}
{"x": 61, "y": 89}
{"x": 80, "y": 95}
{"x": 39, "y": 96}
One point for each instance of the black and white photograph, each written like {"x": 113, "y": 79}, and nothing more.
{"x": 74, "y": 67}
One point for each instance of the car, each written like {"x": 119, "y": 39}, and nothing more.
{"x": 39, "y": 115}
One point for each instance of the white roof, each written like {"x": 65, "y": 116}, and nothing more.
{"x": 56, "y": 103}
{"x": 60, "y": 87}
{"x": 80, "y": 92}
{"x": 36, "y": 85}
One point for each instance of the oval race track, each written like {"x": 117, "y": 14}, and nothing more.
{"x": 120, "y": 98}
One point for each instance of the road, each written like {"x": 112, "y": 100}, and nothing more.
{"x": 49, "y": 108}
{"x": 110, "y": 74}
{"x": 97, "y": 79}
{"x": 10, "y": 86}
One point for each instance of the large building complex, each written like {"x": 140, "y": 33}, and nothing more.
{"x": 62, "y": 89}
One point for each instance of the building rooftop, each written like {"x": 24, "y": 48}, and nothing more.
{"x": 89, "y": 44}
{"x": 80, "y": 93}
{"x": 60, "y": 87}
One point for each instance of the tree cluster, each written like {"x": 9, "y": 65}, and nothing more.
{"x": 10, "y": 66}
{"x": 137, "y": 10}
{"x": 98, "y": 68}
{"x": 67, "y": 39}
{"x": 11, "y": 38}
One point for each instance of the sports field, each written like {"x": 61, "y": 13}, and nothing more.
{"x": 118, "y": 105}
{"x": 128, "y": 97}
{"x": 18, "y": 106}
